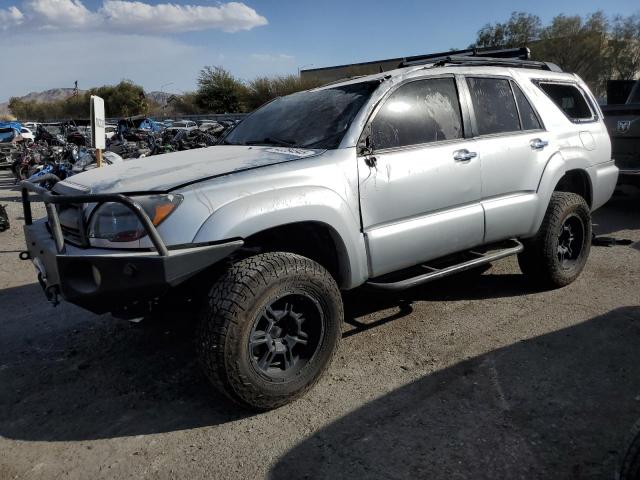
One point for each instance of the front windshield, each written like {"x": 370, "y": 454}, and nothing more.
{"x": 310, "y": 119}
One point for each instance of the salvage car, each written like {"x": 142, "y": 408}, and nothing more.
{"x": 623, "y": 123}
{"x": 387, "y": 181}
{"x": 185, "y": 125}
{"x": 27, "y": 134}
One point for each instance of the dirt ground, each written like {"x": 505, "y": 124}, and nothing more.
{"x": 472, "y": 377}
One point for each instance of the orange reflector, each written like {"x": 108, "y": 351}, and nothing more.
{"x": 162, "y": 211}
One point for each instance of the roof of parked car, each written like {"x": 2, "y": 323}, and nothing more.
{"x": 432, "y": 69}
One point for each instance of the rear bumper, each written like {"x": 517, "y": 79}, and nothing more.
{"x": 604, "y": 177}
{"x": 629, "y": 175}
{"x": 105, "y": 280}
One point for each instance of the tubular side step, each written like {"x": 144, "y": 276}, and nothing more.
{"x": 513, "y": 247}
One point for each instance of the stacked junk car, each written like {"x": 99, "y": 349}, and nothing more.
{"x": 59, "y": 150}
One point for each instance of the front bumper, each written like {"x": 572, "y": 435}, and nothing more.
{"x": 106, "y": 280}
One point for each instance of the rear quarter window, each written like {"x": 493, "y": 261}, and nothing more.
{"x": 569, "y": 99}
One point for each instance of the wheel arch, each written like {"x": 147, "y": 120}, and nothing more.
{"x": 312, "y": 239}
{"x": 576, "y": 181}
{"x": 290, "y": 218}
{"x": 563, "y": 175}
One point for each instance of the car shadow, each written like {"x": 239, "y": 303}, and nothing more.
{"x": 466, "y": 286}
{"x": 554, "y": 406}
{"x": 66, "y": 374}
{"x": 620, "y": 213}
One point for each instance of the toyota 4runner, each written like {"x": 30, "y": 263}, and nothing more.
{"x": 390, "y": 180}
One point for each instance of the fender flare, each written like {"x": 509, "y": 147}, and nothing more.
{"x": 253, "y": 214}
{"x": 554, "y": 170}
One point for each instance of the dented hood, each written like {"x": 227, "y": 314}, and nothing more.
{"x": 172, "y": 170}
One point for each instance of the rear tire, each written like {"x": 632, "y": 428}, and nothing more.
{"x": 269, "y": 329}
{"x": 557, "y": 254}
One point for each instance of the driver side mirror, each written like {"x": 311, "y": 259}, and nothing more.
{"x": 366, "y": 147}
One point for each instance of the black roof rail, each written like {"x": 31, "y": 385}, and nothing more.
{"x": 497, "y": 62}
{"x": 509, "y": 57}
{"x": 522, "y": 53}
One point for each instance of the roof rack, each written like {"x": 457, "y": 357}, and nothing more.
{"x": 506, "y": 57}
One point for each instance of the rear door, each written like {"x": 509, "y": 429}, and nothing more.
{"x": 513, "y": 148}
{"x": 420, "y": 189}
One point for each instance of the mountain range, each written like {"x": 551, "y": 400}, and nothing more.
{"x": 54, "y": 94}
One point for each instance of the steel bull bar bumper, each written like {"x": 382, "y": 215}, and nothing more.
{"x": 106, "y": 280}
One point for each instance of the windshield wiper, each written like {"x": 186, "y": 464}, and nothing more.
{"x": 272, "y": 141}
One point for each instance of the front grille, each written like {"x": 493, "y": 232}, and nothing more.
{"x": 71, "y": 216}
{"x": 73, "y": 224}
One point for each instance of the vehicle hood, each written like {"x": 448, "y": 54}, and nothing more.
{"x": 172, "y": 170}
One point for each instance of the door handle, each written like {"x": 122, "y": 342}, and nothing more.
{"x": 538, "y": 144}
{"x": 464, "y": 155}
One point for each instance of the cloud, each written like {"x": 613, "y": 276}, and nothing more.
{"x": 269, "y": 57}
{"x": 130, "y": 16}
{"x": 169, "y": 17}
{"x": 60, "y": 13}
{"x": 10, "y": 17}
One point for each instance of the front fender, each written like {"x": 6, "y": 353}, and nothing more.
{"x": 255, "y": 213}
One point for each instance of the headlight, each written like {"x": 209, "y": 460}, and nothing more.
{"x": 115, "y": 222}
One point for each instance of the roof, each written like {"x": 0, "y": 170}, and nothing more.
{"x": 485, "y": 66}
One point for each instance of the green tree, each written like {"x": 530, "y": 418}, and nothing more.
{"x": 624, "y": 47}
{"x": 219, "y": 91}
{"x": 578, "y": 46}
{"x": 187, "y": 103}
{"x": 260, "y": 90}
{"x": 520, "y": 30}
{"x": 591, "y": 46}
{"x": 122, "y": 100}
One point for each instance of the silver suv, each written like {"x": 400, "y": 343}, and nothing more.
{"x": 390, "y": 180}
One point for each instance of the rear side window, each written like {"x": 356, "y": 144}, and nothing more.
{"x": 528, "y": 116}
{"x": 494, "y": 105}
{"x": 569, "y": 99}
{"x": 419, "y": 112}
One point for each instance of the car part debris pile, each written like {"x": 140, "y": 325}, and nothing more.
{"x": 59, "y": 150}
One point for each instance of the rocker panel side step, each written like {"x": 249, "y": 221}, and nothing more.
{"x": 511, "y": 247}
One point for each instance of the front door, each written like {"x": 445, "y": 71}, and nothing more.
{"x": 420, "y": 187}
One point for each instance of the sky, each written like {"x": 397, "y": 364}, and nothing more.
{"x": 162, "y": 46}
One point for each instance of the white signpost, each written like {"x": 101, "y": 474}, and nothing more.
{"x": 97, "y": 127}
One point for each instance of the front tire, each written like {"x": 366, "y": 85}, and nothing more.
{"x": 269, "y": 329}
{"x": 557, "y": 254}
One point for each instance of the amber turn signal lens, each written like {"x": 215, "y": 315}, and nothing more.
{"x": 162, "y": 211}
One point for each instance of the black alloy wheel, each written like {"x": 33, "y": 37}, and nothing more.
{"x": 286, "y": 336}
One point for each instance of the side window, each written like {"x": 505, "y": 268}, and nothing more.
{"x": 419, "y": 112}
{"x": 528, "y": 116}
{"x": 569, "y": 99}
{"x": 494, "y": 105}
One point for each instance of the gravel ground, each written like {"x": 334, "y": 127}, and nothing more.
{"x": 470, "y": 377}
